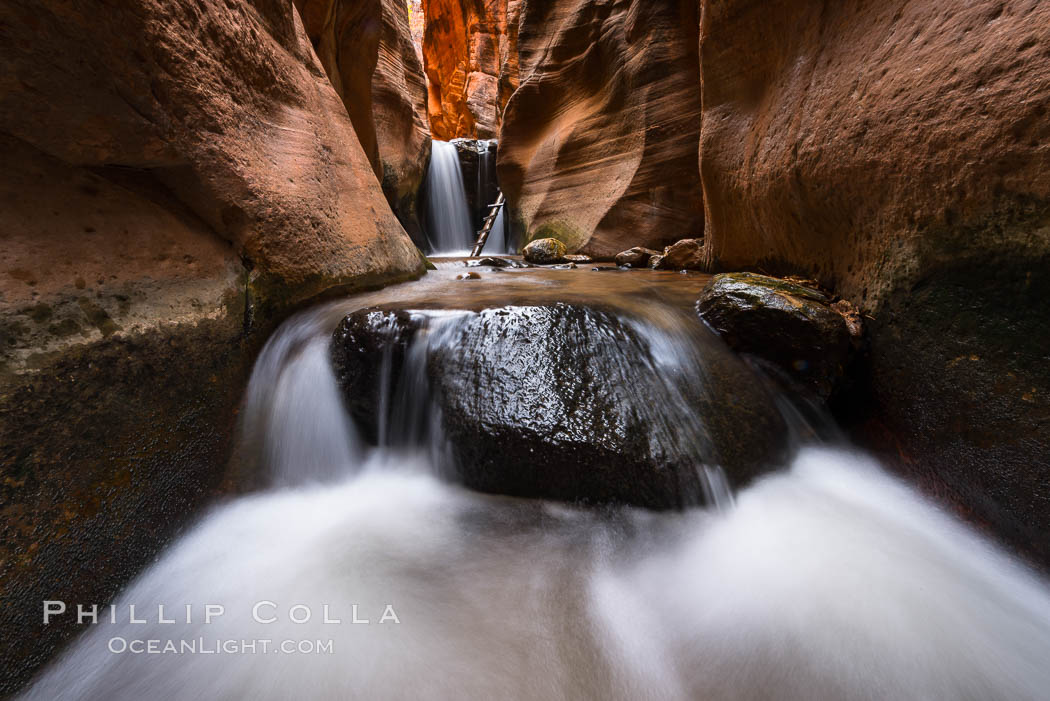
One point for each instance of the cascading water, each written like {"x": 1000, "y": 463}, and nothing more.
{"x": 826, "y": 580}
{"x": 449, "y": 228}
{"x": 486, "y": 195}
{"x": 497, "y": 241}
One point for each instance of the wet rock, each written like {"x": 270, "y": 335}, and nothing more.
{"x": 368, "y": 352}
{"x": 637, "y": 257}
{"x": 565, "y": 266}
{"x": 569, "y": 402}
{"x": 686, "y": 254}
{"x": 577, "y": 258}
{"x": 489, "y": 262}
{"x": 544, "y": 251}
{"x": 573, "y": 403}
{"x": 468, "y": 276}
{"x": 793, "y": 326}
{"x": 477, "y": 164}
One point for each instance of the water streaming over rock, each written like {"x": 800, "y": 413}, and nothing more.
{"x": 448, "y": 218}
{"x": 825, "y": 580}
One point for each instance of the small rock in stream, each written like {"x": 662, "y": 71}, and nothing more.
{"x": 544, "y": 251}
{"x": 637, "y": 257}
{"x": 687, "y": 254}
{"x": 489, "y": 262}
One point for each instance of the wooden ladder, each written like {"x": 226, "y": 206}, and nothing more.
{"x": 483, "y": 235}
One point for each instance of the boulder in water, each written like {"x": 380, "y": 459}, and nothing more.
{"x": 570, "y": 402}
{"x": 544, "y": 251}
{"x": 791, "y": 325}
{"x": 488, "y": 261}
{"x": 686, "y": 254}
{"x": 574, "y": 403}
{"x": 368, "y": 350}
{"x": 637, "y": 257}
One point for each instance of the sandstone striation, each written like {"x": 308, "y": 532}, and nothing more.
{"x": 470, "y": 56}
{"x": 178, "y": 176}
{"x": 367, "y": 51}
{"x": 898, "y": 152}
{"x": 599, "y": 142}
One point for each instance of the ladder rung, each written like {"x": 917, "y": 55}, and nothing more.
{"x": 486, "y": 228}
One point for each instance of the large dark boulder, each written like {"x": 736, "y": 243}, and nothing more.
{"x": 574, "y": 403}
{"x": 791, "y": 325}
{"x": 368, "y": 353}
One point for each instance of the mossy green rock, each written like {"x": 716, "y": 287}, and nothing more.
{"x": 545, "y": 251}
{"x": 788, "y": 324}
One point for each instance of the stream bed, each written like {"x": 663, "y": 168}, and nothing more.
{"x": 373, "y": 572}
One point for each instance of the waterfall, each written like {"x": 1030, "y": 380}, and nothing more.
{"x": 293, "y": 421}
{"x": 829, "y": 579}
{"x": 450, "y": 231}
{"x": 497, "y": 242}
{"x": 487, "y": 193}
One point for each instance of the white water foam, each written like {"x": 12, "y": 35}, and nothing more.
{"x": 450, "y": 231}
{"x": 828, "y": 581}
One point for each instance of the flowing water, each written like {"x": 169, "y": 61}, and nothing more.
{"x": 497, "y": 240}
{"x": 828, "y": 579}
{"x": 449, "y": 227}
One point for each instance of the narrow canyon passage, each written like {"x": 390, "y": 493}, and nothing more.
{"x": 822, "y": 577}
{"x": 526, "y": 349}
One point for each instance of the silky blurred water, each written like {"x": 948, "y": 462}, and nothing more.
{"x": 449, "y": 227}
{"x": 826, "y": 580}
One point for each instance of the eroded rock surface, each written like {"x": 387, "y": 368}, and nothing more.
{"x": 178, "y": 175}
{"x": 687, "y": 254}
{"x": 897, "y": 152}
{"x": 470, "y": 54}
{"x": 367, "y": 51}
{"x": 637, "y": 257}
{"x": 599, "y": 142}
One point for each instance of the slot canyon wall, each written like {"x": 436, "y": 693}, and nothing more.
{"x": 179, "y": 175}
{"x": 900, "y": 153}
{"x": 471, "y": 60}
{"x": 598, "y": 146}
{"x": 367, "y": 51}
